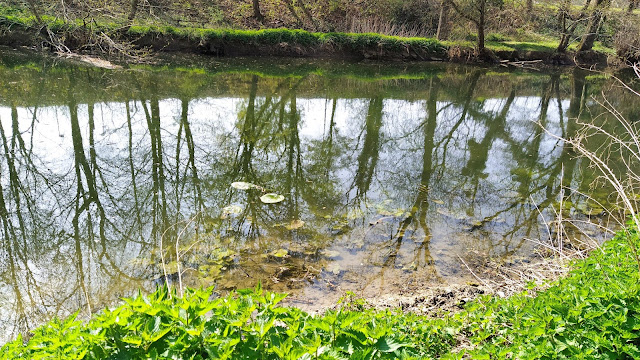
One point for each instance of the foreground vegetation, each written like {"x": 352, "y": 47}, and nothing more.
{"x": 593, "y": 313}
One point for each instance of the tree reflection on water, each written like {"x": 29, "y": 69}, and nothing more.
{"x": 386, "y": 181}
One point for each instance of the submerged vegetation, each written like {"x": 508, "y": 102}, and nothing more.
{"x": 593, "y": 313}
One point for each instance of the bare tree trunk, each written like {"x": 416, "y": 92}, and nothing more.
{"x": 633, "y": 4}
{"x": 478, "y": 20}
{"x": 480, "y": 27}
{"x": 568, "y": 30}
{"x": 594, "y": 24}
{"x": 34, "y": 10}
{"x": 256, "y": 11}
{"x": 308, "y": 14}
{"x": 443, "y": 21}
{"x": 133, "y": 11}
{"x": 562, "y": 25}
{"x": 530, "y": 7}
{"x": 293, "y": 12}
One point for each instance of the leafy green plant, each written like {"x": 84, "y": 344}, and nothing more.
{"x": 594, "y": 313}
{"x": 244, "y": 325}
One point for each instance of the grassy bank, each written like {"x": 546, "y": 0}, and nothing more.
{"x": 593, "y": 313}
{"x": 287, "y": 42}
{"x": 110, "y": 38}
{"x": 78, "y": 36}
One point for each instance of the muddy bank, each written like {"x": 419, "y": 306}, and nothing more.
{"x": 434, "y": 299}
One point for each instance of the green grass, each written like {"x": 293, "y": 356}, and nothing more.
{"x": 349, "y": 42}
{"x": 507, "y": 45}
{"x": 594, "y": 313}
{"x": 342, "y": 41}
{"x": 523, "y": 46}
{"x": 11, "y": 18}
{"x": 548, "y": 46}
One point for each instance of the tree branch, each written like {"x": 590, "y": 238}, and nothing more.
{"x": 462, "y": 13}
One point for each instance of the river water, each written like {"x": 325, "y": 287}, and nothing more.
{"x": 392, "y": 175}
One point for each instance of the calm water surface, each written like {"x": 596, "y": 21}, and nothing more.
{"x": 391, "y": 174}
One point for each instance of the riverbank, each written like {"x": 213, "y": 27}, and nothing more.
{"x": 592, "y": 312}
{"x": 134, "y": 43}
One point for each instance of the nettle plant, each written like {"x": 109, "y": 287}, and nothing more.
{"x": 594, "y": 313}
{"x": 244, "y": 325}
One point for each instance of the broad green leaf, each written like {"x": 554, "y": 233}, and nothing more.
{"x": 385, "y": 344}
{"x": 271, "y": 198}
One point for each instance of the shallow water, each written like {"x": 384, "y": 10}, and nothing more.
{"x": 392, "y": 175}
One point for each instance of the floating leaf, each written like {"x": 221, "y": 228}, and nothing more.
{"x": 295, "y": 224}
{"x": 280, "y": 253}
{"x": 232, "y": 210}
{"x": 241, "y": 185}
{"x": 271, "y": 198}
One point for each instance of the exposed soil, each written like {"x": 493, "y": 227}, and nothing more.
{"x": 436, "y": 299}
{"x": 431, "y": 302}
